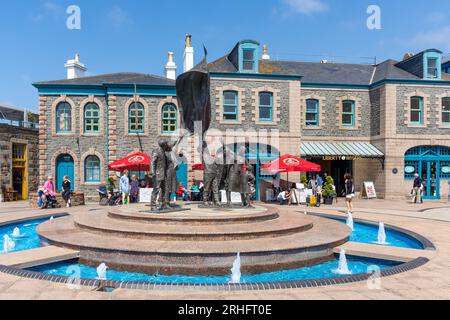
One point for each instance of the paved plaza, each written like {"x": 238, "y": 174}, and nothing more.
{"x": 430, "y": 281}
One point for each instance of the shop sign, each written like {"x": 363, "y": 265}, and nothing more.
{"x": 446, "y": 170}
{"x": 410, "y": 169}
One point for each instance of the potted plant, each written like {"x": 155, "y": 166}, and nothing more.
{"x": 304, "y": 181}
{"x": 329, "y": 191}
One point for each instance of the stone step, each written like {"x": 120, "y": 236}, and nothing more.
{"x": 375, "y": 251}
{"x": 198, "y": 257}
{"x": 102, "y": 223}
{"x": 199, "y": 216}
{"x": 37, "y": 257}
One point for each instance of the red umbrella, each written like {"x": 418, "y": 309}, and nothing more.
{"x": 289, "y": 163}
{"x": 135, "y": 162}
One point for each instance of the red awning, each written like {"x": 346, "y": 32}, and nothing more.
{"x": 289, "y": 163}
{"x": 135, "y": 162}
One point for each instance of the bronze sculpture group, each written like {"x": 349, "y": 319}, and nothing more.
{"x": 223, "y": 170}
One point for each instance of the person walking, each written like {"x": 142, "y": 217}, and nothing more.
{"x": 124, "y": 187}
{"x": 349, "y": 192}
{"x": 134, "y": 189}
{"x": 66, "y": 191}
{"x": 417, "y": 188}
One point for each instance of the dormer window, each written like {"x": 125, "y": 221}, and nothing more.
{"x": 432, "y": 64}
{"x": 248, "y": 59}
{"x": 432, "y": 68}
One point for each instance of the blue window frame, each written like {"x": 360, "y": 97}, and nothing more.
{"x": 230, "y": 106}
{"x": 348, "y": 113}
{"x": 446, "y": 111}
{"x": 169, "y": 118}
{"x": 432, "y": 68}
{"x": 416, "y": 112}
{"x": 248, "y": 59}
{"x": 92, "y": 169}
{"x": 265, "y": 106}
{"x": 136, "y": 118}
{"x": 91, "y": 118}
{"x": 312, "y": 113}
{"x": 63, "y": 117}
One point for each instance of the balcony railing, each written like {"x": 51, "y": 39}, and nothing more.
{"x": 22, "y": 124}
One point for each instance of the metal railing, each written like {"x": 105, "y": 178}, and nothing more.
{"x": 22, "y": 124}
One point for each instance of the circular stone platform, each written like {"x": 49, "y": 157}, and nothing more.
{"x": 200, "y": 241}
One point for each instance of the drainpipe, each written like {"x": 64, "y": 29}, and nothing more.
{"x": 107, "y": 136}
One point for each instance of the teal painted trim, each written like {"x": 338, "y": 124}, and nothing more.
{"x": 270, "y": 106}
{"x": 352, "y": 114}
{"x": 315, "y": 122}
{"x": 140, "y": 120}
{"x": 235, "y": 105}
{"x": 249, "y": 46}
{"x": 420, "y": 122}
{"x": 163, "y": 118}
{"x": 81, "y": 90}
{"x": 107, "y": 139}
{"x": 147, "y": 91}
{"x": 106, "y": 89}
{"x": 255, "y": 76}
{"x": 435, "y": 56}
{"x": 91, "y": 107}
{"x": 412, "y": 82}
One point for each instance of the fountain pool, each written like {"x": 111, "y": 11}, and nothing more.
{"x": 28, "y": 239}
{"x": 356, "y": 265}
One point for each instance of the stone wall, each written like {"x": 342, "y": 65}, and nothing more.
{"x": 29, "y": 137}
{"x": 330, "y": 109}
{"x": 432, "y": 109}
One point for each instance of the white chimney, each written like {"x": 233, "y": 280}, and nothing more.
{"x": 75, "y": 69}
{"x": 171, "y": 67}
{"x": 188, "y": 54}
{"x": 265, "y": 55}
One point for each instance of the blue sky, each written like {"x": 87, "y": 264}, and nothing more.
{"x": 135, "y": 35}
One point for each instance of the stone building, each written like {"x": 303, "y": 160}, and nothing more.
{"x": 382, "y": 123}
{"x": 19, "y": 157}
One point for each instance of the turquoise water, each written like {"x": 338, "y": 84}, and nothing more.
{"x": 366, "y": 233}
{"x": 29, "y": 237}
{"x": 323, "y": 270}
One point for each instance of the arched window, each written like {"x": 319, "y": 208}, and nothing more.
{"x": 63, "y": 117}
{"x": 136, "y": 118}
{"x": 446, "y": 111}
{"x": 92, "y": 169}
{"x": 416, "y": 112}
{"x": 265, "y": 106}
{"x": 169, "y": 118}
{"x": 230, "y": 105}
{"x": 312, "y": 113}
{"x": 91, "y": 118}
{"x": 348, "y": 113}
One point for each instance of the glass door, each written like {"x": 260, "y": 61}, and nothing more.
{"x": 430, "y": 178}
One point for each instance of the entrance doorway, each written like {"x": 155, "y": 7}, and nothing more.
{"x": 64, "y": 167}
{"x": 432, "y": 164}
{"x": 336, "y": 169}
{"x": 430, "y": 180}
{"x": 19, "y": 170}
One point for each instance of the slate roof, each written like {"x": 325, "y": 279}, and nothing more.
{"x": 326, "y": 73}
{"x": 114, "y": 78}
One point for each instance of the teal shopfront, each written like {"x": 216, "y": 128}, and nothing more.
{"x": 432, "y": 163}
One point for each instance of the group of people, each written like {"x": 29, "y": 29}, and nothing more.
{"x": 316, "y": 184}
{"x": 47, "y": 194}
